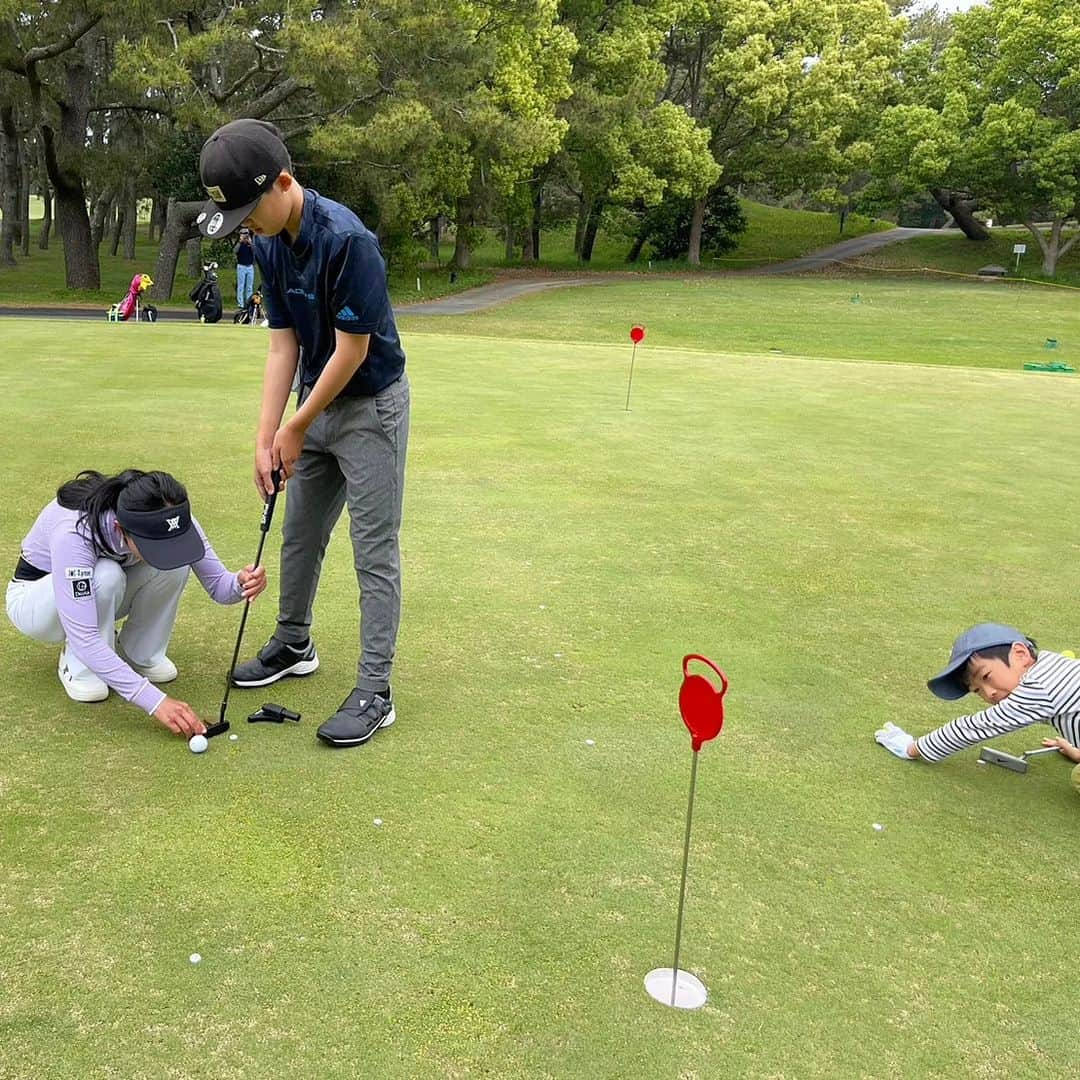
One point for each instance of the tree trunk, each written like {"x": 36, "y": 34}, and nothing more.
{"x": 117, "y": 227}
{"x": 963, "y": 212}
{"x": 434, "y": 235}
{"x": 592, "y": 226}
{"x": 179, "y": 228}
{"x": 194, "y": 255}
{"x": 81, "y": 267}
{"x": 99, "y": 215}
{"x": 9, "y": 184}
{"x": 511, "y": 237}
{"x": 1051, "y": 246}
{"x": 532, "y": 239}
{"x": 697, "y": 222}
{"x": 463, "y": 238}
{"x": 634, "y": 253}
{"x": 46, "y": 217}
{"x": 159, "y": 208}
{"x": 582, "y": 221}
{"x": 24, "y": 203}
{"x": 131, "y": 219}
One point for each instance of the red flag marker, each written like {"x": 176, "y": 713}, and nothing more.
{"x": 637, "y": 334}
{"x": 701, "y": 705}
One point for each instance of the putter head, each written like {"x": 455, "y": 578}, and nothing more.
{"x": 271, "y": 713}
{"x": 1006, "y": 761}
{"x": 217, "y": 729}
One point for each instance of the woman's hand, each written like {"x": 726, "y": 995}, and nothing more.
{"x": 179, "y": 717}
{"x": 252, "y": 581}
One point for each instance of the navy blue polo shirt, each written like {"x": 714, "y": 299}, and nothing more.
{"x": 332, "y": 277}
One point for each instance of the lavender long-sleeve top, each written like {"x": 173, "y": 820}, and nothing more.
{"x": 61, "y": 547}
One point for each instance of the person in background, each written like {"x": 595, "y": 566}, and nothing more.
{"x": 245, "y": 269}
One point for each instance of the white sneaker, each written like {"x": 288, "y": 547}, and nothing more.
{"x": 83, "y": 687}
{"x": 161, "y": 672}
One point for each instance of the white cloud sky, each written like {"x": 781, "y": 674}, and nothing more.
{"x": 952, "y": 5}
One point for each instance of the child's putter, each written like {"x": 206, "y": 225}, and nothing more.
{"x": 702, "y": 708}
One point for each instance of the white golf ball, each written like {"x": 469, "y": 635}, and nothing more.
{"x": 194, "y": 957}
{"x": 233, "y": 738}
{"x": 377, "y": 821}
{"x": 590, "y": 742}
{"x": 878, "y": 826}
{"x": 197, "y": 744}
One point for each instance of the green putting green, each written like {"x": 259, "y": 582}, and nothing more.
{"x": 820, "y": 528}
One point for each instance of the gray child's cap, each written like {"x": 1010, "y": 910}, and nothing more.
{"x": 949, "y": 685}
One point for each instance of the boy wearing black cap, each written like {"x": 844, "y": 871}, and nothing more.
{"x": 1021, "y": 685}
{"x": 330, "y": 321}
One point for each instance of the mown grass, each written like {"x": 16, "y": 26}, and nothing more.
{"x": 821, "y": 529}
{"x": 883, "y": 318}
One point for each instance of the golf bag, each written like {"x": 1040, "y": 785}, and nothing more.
{"x": 251, "y": 314}
{"x": 206, "y": 296}
{"x": 131, "y": 304}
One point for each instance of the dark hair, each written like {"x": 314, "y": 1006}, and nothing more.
{"x": 1002, "y": 652}
{"x": 94, "y": 494}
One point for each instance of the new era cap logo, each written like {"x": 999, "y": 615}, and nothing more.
{"x": 173, "y": 523}
{"x": 260, "y": 179}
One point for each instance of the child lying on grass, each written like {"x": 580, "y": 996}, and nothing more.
{"x": 1021, "y": 685}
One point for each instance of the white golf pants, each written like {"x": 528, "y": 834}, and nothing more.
{"x": 145, "y": 598}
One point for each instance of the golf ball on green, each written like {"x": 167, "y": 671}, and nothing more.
{"x": 197, "y": 744}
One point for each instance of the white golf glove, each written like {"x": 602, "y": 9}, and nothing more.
{"x": 895, "y": 740}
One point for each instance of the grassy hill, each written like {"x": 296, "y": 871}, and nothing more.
{"x": 773, "y": 234}
{"x": 951, "y": 252}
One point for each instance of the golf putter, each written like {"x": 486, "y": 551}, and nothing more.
{"x": 264, "y": 527}
{"x": 1011, "y": 761}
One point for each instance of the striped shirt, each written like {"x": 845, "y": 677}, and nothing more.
{"x": 1048, "y": 693}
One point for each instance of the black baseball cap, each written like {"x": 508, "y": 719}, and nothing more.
{"x": 166, "y": 538}
{"x": 238, "y": 165}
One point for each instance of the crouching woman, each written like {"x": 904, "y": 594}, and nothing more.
{"x": 111, "y": 549}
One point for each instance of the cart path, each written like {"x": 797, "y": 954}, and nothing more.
{"x": 514, "y": 284}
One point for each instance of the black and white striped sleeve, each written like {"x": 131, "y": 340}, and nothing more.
{"x": 1026, "y": 705}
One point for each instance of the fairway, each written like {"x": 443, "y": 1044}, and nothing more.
{"x": 820, "y": 528}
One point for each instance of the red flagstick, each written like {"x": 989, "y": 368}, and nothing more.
{"x": 637, "y": 333}
{"x": 702, "y": 709}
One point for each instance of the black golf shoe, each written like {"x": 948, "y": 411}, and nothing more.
{"x": 359, "y": 716}
{"x": 276, "y": 660}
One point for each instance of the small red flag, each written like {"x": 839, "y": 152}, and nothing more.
{"x": 701, "y": 704}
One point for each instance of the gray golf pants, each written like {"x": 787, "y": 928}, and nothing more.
{"x": 354, "y": 454}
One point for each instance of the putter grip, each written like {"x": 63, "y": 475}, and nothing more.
{"x": 271, "y": 499}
